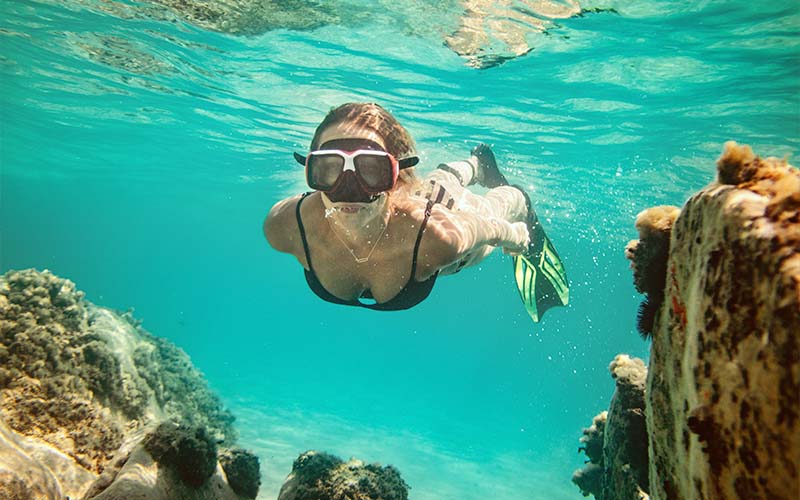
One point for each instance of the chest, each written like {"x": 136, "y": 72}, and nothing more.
{"x": 384, "y": 275}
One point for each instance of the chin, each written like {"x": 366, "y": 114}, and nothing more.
{"x": 351, "y": 208}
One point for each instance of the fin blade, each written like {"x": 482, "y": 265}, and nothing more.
{"x": 540, "y": 275}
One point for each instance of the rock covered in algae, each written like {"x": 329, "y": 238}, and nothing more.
{"x": 242, "y": 470}
{"x": 321, "y": 476}
{"x": 648, "y": 256}
{"x": 590, "y": 478}
{"x": 79, "y": 387}
{"x": 625, "y": 437}
{"x": 616, "y": 442}
{"x": 723, "y": 393}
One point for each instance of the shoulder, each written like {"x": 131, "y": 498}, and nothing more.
{"x": 281, "y": 226}
{"x": 439, "y": 246}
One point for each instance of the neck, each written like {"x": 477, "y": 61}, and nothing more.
{"x": 359, "y": 224}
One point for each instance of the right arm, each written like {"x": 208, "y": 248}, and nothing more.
{"x": 281, "y": 229}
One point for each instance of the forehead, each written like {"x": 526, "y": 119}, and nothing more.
{"x": 350, "y": 131}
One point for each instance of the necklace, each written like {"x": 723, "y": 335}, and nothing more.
{"x": 359, "y": 260}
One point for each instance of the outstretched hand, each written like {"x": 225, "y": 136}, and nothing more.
{"x": 521, "y": 240}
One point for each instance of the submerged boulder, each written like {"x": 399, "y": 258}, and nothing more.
{"x": 616, "y": 442}
{"x": 81, "y": 385}
{"x": 590, "y": 478}
{"x": 321, "y": 476}
{"x": 723, "y": 390}
{"x": 242, "y": 470}
{"x": 648, "y": 256}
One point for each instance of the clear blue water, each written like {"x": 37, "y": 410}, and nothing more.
{"x": 140, "y": 154}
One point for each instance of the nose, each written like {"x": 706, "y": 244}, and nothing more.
{"x": 349, "y": 190}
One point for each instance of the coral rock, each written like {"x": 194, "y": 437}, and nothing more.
{"x": 80, "y": 384}
{"x": 320, "y": 476}
{"x": 616, "y": 443}
{"x": 723, "y": 394}
{"x": 188, "y": 450}
{"x": 141, "y": 478}
{"x": 625, "y": 437}
{"x": 590, "y": 478}
{"x": 648, "y": 256}
{"x": 242, "y": 471}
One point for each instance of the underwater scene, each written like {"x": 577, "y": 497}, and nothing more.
{"x": 143, "y": 144}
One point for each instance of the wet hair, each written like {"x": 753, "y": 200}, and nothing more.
{"x": 398, "y": 141}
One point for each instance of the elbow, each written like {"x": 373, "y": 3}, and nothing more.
{"x": 271, "y": 233}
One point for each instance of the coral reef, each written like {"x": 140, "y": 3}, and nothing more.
{"x": 616, "y": 443}
{"x": 590, "y": 478}
{"x": 242, "y": 470}
{"x": 321, "y": 476}
{"x": 188, "y": 450}
{"x": 141, "y": 478}
{"x": 648, "y": 256}
{"x": 625, "y": 436}
{"x": 723, "y": 390}
{"x": 79, "y": 387}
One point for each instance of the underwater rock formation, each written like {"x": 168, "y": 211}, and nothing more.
{"x": 616, "y": 443}
{"x": 242, "y": 470}
{"x": 648, "y": 256}
{"x": 80, "y": 386}
{"x": 590, "y": 478}
{"x": 723, "y": 391}
{"x": 321, "y": 476}
{"x": 625, "y": 436}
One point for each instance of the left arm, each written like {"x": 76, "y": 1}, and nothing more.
{"x": 454, "y": 235}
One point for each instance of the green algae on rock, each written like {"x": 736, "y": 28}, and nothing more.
{"x": 79, "y": 387}
{"x": 242, "y": 470}
{"x": 321, "y": 476}
{"x": 616, "y": 443}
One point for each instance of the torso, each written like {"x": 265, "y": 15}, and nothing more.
{"x": 388, "y": 270}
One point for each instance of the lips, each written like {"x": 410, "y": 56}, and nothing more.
{"x": 349, "y": 209}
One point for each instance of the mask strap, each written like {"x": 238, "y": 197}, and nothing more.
{"x": 406, "y": 162}
{"x": 299, "y": 158}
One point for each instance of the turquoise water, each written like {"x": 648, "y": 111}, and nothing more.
{"x": 141, "y": 153}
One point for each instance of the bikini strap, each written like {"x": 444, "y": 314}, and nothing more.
{"x": 303, "y": 230}
{"x": 428, "y": 208}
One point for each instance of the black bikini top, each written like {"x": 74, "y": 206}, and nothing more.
{"x": 412, "y": 294}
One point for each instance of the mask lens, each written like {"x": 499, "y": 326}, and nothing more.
{"x": 324, "y": 170}
{"x": 375, "y": 171}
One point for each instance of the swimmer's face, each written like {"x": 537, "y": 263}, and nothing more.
{"x": 349, "y": 137}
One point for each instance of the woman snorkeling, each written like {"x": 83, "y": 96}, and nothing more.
{"x": 372, "y": 234}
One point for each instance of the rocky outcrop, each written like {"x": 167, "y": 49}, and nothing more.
{"x": 590, "y": 478}
{"x": 81, "y": 386}
{"x": 648, "y": 256}
{"x": 321, "y": 476}
{"x": 625, "y": 436}
{"x": 723, "y": 391}
{"x": 616, "y": 443}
